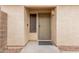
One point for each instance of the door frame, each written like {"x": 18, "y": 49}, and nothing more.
{"x": 50, "y": 29}
{"x": 37, "y": 26}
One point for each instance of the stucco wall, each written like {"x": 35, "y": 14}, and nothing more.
{"x": 68, "y": 25}
{"x": 53, "y": 26}
{"x": 15, "y": 24}
{"x": 26, "y": 23}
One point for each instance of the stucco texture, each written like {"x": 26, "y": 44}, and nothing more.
{"x": 15, "y": 24}
{"x": 68, "y": 25}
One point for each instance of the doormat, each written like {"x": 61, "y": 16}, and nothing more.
{"x": 45, "y": 43}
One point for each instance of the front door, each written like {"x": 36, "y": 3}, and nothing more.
{"x": 44, "y": 31}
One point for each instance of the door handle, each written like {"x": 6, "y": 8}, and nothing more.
{"x": 39, "y": 25}
{"x": 27, "y": 25}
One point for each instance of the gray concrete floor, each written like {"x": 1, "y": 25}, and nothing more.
{"x": 33, "y": 47}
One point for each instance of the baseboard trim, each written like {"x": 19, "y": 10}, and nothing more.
{"x": 69, "y": 48}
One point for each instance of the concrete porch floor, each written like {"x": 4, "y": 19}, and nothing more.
{"x": 33, "y": 47}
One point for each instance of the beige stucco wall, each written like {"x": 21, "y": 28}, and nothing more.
{"x": 26, "y": 24}
{"x": 68, "y": 25}
{"x": 53, "y": 25}
{"x": 15, "y": 24}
